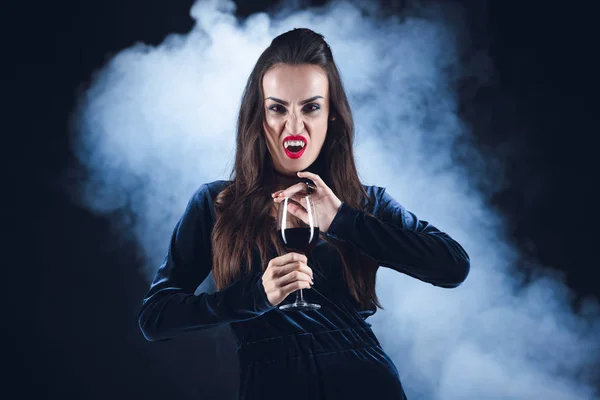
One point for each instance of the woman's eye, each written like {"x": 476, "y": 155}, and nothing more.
{"x": 308, "y": 108}
{"x": 277, "y": 109}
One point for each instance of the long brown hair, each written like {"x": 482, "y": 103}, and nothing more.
{"x": 243, "y": 207}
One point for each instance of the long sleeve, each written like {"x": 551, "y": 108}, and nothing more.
{"x": 397, "y": 239}
{"x": 170, "y": 307}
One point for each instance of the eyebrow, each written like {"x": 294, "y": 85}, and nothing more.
{"x": 285, "y": 103}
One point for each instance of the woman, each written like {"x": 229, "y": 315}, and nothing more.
{"x": 229, "y": 228}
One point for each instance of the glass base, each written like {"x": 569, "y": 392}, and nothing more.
{"x": 300, "y": 306}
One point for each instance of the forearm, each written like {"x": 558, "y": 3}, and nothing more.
{"x": 429, "y": 255}
{"x": 169, "y": 312}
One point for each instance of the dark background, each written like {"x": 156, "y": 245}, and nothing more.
{"x": 74, "y": 295}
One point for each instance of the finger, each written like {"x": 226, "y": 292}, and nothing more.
{"x": 293, "y": 276}
{"x": 298, "y": 196}
{"x": 292, "y": 190}
{"x": 314, "y": 177}
{"x": 293, "y": 286}
{"x": 295, "y": 201}
{"x": 299, "y": 212}
{"x": 286, "y": 269}
{"x": 288, "y": 258}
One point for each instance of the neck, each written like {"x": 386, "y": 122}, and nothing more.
{"x": 283, "y": 181}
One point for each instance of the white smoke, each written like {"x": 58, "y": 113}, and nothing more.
{"x": 157, "y": 122}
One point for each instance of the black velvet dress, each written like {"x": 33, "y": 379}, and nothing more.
{"x": 330, "y": 353}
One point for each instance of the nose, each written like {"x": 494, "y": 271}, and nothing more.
{"x": 294, "y": 124}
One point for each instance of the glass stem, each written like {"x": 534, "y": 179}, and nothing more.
{"x": 299, "y": 295}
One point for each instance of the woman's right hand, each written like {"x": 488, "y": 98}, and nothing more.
{"x": 284, "y": 275}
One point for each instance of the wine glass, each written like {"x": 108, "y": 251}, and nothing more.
{"x": 298, "y": 231}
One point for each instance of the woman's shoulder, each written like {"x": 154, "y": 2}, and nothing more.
{"x": 215, "y": 187}
{"x": 210, "y": 189}
{"x": 374, "y": 193}
{"x": 373, "y": 190}
{"x": 204, "y": 196}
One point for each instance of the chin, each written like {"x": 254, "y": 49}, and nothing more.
{"x": 296, "y": 165}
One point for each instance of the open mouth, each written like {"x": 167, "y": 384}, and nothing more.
{"x": 294, "y": 146}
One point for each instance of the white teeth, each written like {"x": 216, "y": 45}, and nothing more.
{"x": 288, "y": 143}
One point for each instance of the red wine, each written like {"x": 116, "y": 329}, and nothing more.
{"x": 297, "y": 239}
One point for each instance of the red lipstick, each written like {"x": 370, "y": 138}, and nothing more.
{"x": 298, "y": 154}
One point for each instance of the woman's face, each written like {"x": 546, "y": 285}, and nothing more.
{"x": 296, "y": 114}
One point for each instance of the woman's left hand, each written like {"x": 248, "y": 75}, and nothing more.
{"x": 325, "y": 200}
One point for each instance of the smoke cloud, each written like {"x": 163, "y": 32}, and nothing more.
{"x": 158, "y": 121}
